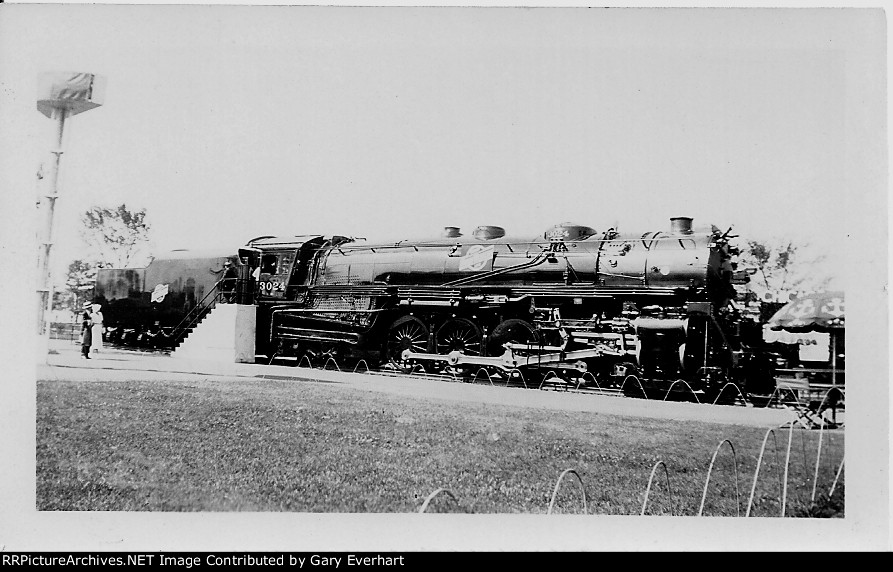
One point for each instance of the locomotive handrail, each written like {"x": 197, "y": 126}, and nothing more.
{"x": 596, "y": 290}
{"x": 446, "y": 244}
{"x": 330, "y": 311}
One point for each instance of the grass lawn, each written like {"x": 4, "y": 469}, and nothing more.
{"x": 214, "y": 445}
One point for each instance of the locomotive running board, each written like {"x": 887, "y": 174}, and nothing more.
{"x": 500, "y": 294}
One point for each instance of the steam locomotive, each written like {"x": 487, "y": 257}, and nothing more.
{"x": 657, "y": 305}
{"x": 598, "y": 307}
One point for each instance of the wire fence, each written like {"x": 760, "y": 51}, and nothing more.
{"x": 569, "y": 499}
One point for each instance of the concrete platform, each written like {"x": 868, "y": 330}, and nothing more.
{"x": 66, "y": 354}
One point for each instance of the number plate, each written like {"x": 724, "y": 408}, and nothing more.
{"x": 268, "y": 287}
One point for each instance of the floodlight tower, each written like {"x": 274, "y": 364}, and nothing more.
{"x": 59, "y": 96}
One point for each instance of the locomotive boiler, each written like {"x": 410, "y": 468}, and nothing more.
{"x": 656, "y": 305}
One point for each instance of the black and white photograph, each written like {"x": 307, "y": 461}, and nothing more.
{"x": 309, "y": 278}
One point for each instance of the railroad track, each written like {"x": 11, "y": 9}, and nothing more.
{"x": 585, "y": 385}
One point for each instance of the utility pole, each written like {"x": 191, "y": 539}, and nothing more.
{"x": 60, "y": 95}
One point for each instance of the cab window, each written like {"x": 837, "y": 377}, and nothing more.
{"x": 269, "y": 264}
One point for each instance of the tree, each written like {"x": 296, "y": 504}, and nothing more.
{"x": 79, "y": 285}
{"x": 118, "y": 237}
{"x": 782, "y": 266}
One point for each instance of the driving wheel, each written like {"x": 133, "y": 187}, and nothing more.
{"x": 407, "y": 333}
{"x": 459, "y": 335}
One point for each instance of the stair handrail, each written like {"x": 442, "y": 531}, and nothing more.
{"x": 198, "y": 312}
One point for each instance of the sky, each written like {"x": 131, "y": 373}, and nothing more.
{"x": 231, "y": 122}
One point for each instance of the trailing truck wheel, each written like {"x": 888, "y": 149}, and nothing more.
{"x": 406, "y": 333}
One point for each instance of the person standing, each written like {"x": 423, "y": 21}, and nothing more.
{"x": 96, "y": 317}
{"x": 86, "y": 333}
{"x": 228, "y": 283}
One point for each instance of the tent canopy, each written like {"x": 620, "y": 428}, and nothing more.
{"x": 819, "y": 312}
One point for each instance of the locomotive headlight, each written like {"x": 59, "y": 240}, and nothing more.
{"x": 665, "y": 270}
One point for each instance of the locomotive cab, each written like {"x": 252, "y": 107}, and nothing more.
{"x": 284, "y": 268}
{"x": 280, "y": 266}
{"x": 274, "y": 272}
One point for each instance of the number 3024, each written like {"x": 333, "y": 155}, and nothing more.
{"x": 272, "y": 286}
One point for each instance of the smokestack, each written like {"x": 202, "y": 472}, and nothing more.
{"x": 680, "y": 225}
{"x": 451, "y": 232}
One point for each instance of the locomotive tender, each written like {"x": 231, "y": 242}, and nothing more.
{"x": 597, "y": 307}
{"x": 145, "y": 306}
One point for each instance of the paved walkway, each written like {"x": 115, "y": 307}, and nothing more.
{"x": 65, "y": 363}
